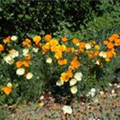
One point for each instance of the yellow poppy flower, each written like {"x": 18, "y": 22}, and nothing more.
{"x": 37, "y": 39}
{"x": 58, "y": 55}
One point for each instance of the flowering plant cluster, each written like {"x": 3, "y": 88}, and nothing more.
{"x": 71, "y": 58}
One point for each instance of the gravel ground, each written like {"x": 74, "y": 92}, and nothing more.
{"x": 102, "y": 107}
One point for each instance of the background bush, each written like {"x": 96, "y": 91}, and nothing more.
{"x": 86, "y": 19}
{"x": 30, "y": 16}
{"x": 105, "y": 20}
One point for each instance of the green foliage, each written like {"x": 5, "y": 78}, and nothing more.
{"x": 4, "y": 114}
{"x": 113, "y": 69}
{"x": 105, "y": 21}
{"x": 21, "y": 17}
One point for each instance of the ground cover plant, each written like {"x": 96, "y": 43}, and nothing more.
{"x": 49, "y": 64}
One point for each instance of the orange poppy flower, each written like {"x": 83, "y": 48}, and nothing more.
{"x": 54, "y": 48}
{"x": 113, "y": 52}
{"x": 64, "y": 39}
{"x": 28, "y": 57}
{"x": 46, "y": 47}
{"x": 69, "y": 73}
{"x": 26, "y": 42}
{"x": 96, "y": 53}
{"x": 82, "y": 45}
{"x": 7, "y": 90}
{"x": 75, "y": 63}
{"x": 81, "y": 50}
{"x": 110, "y": 45}
{"x": 109, "y": 54}
{"x": 26, "y": 63}
{"x": 117, "y": 42}
{"x": 66, "y": 76}
{"x": 68, "y": 49}
{"x": 90, "y": 54}
{"x": 62, "y": 62}
{"x": 6, "y": 40}
{"x": 37, "y": 45}
{"x": 19, "y": 64}
{"x": 48, "y": 37}
{"x": 62, "y": 48}
{"x": 1, "y": 47}
{"x": 113, "y": 37}
{"x": 105, "y": 42}
{"x": 75, "y": 41}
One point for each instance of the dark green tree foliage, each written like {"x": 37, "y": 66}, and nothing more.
{"x": 21, "y": 17}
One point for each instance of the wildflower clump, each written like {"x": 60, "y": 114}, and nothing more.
{"x": 48, "y": 60}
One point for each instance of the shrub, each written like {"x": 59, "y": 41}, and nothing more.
{"x": 60, "y": 66}
{"x": 22, "y": 17}
{"x": 105, "y": 22}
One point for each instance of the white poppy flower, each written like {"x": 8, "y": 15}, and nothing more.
{"x": 92, "y": 92}
{"x": 9, "y": 84}
{"x": 78, "y": 76}
{"x": 97, "y": 62}
{"x": 41, "y": 97}
{"x": 118, "y": 86}
{"x": 103, "y": 54}
{"x": 20, "y": 71}
{"x": 88, "y": 94}
{"x": 102, "y": 93}
{"x": 72, "y": 82}
{"x": 29, "y": 75}
{"x": 25, "y": 52}
{"x": 88, "y": 46}
{"x": 96, "y": 100}
{"x": 115, "y": 84}
{"x": 113, "y": 91}
{"x": 67, "y": 109}
{"x": 94, "y": 119}
{"x": 49, "y": 60}
{"x": 8, "y": 59}
{"x": 77, "y": 44}
{"x": 74, "y": 90}
{"x": 14, "y": 38}
{"x": 110, "y": 84}
{"x": 59, "y": 83}
{"x": 14, "y": 53}
{"x": 35, "y": 50}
